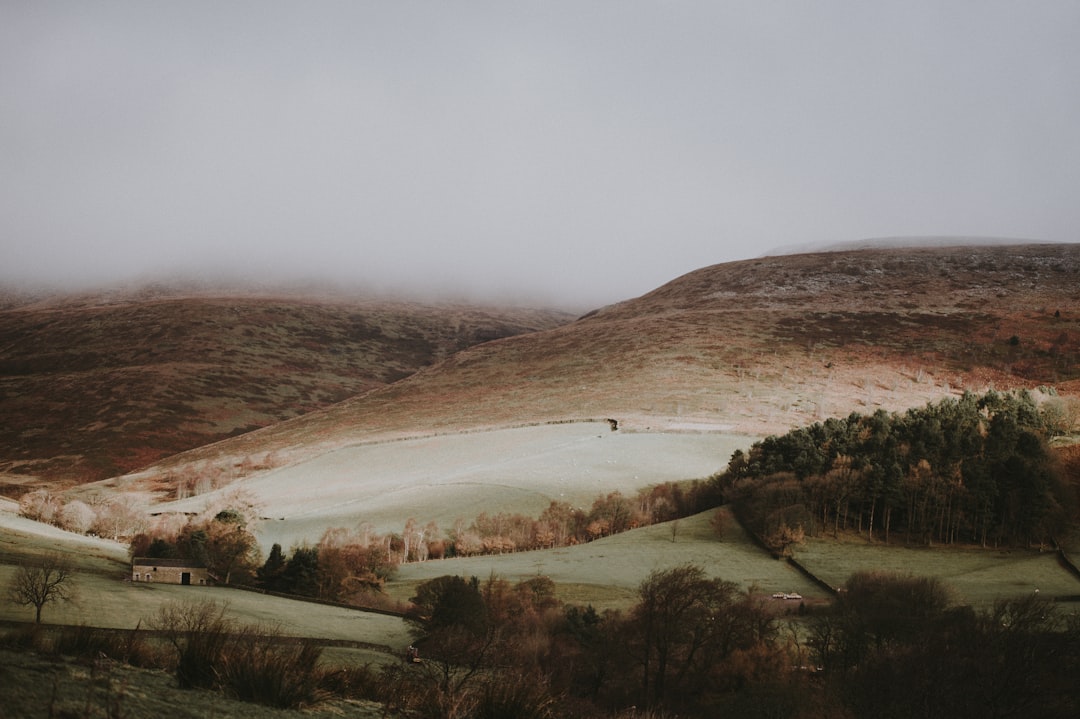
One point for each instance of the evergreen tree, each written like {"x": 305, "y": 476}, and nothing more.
{"x": 269, "y": 574}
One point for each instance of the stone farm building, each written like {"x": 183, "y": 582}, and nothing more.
{"x": 169, "y": 571}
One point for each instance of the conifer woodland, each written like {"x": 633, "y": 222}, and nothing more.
{"x": 975, "y": 469}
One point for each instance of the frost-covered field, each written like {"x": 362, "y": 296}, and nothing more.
{"x": 458, "y": 476}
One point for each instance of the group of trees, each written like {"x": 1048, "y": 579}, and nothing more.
{"x": 895, "y": 646}
{"x": 344, "y": 566}
{"x": 693, "y": 645}
{"x": 201, "y": 478}
{"x": 220, "y": 540}
{"x": 351, "y": 564}
{"x": 516, "y": 645}
{"x": 973, "y": 469}
{"x": 562, "y": 524}
{"x": 115, "y": 518}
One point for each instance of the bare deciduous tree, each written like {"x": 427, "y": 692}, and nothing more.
{"x": 40, "y": 506}
{"x": 77, "y": 516}
{"x": 41, "y": 581}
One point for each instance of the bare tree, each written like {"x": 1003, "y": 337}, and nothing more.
{"x": 77, "y": 516}
{"x": 42, "y": 580}
{"x": 40, "y": 506}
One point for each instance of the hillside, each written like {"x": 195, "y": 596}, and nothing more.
{"x": 97, "y": 385}
{"x": 752, "y": 347}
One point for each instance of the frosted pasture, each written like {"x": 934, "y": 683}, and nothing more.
{"x": 447, "y": 477}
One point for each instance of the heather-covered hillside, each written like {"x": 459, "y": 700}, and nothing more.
{"x": 96, "y": 385}
{"x": 753, "y": 347}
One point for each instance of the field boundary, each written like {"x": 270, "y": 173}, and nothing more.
{"x": 1067, "y": 563}
{"x": 832, "y": 591}
{"x": 56, "y": 629}
{"x": 316, "y": 600}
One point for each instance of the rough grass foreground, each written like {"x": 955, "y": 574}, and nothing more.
{"x": 92, "y": 671}
{"x": 43, "y": 684}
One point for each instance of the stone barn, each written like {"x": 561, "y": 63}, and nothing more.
{"x": 169, "y": 571}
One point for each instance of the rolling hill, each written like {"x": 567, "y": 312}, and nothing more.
{"x": 750, "y": 348}
{"x": 706, "y": 363}
{"x": 97, "y": 385}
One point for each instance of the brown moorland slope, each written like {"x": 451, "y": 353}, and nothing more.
{"x": 97, "y": 385}
{"x": 753, "y": 347}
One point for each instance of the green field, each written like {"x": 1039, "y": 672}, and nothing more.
{"x": 104, "y": 597}
{"x": 516, "y": 470}
{"x": 604, "y": 573}
{"x": 976, "y": 576}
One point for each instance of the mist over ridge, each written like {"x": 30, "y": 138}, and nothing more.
{"x": 568, "y": 153}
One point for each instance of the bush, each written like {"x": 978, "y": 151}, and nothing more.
{"x": 258, "y": 667}
{"x": 198, "y": 631}
{"x": 249, "y": 663}
{"x": 359, "y": 682}
{"x": 129, "y": 647}
{"x": 518, "y": 697}
{"x": 29, "y": 637}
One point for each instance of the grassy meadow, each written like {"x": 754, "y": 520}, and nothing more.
{"x": 104, "y": 598}
{"x": 607, "y": 572}
{"x": 445, "y": 478}
{"x": 975, "y": 575}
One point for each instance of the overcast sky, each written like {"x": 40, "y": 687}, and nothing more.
{"x": 577, "y": 151}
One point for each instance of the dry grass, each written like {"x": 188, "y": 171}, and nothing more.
{"x": 747, "y": 348}
{"x": 45, "y": 685}
{"x": 753, "y": 347}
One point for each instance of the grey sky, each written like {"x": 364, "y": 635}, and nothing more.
{"x": 574, "y": 151}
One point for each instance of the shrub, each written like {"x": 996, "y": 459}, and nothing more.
{"x": 258, "y": 667}
{"x": 198, "y": 631}
{"x": 516, "y": 697}
{"x": 129, "y": 647}
{"x": 29, "y": 637}
{"x": 357, "y": 682}
{"x": 249, "y": 663}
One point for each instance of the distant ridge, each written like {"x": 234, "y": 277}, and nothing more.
{"x": 97, "y": 384}
{"x": 752, "y": 347}
{"x": 900, "y": 242}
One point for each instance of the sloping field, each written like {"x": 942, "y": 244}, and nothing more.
{"x": 98, "y": 385}
{"x": 110, "y": 601}
{"x": 758, "y": 346}
{"x": 976, "y": 576}
{"x": 105, "y": 599}
{"x": 458, "y": 476}
{"x": 607, "y": 572}
{"x": 21, "y": 537}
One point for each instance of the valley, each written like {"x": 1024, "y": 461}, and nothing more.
{"x": 374, "y": 417}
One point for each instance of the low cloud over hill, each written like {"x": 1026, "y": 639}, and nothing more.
{"x": 752, "y": 347}
{"x": 96, "y": 385}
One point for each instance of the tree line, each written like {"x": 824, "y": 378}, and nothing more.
{"x": 972, "y": 469}
{"x": 352, "y": 564}
{"x": 692, "y": 645}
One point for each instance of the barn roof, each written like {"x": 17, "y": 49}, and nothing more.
{"x": 162, "y": 562}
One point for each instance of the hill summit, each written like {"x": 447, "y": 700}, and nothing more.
{"x": 751, "y": 347}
